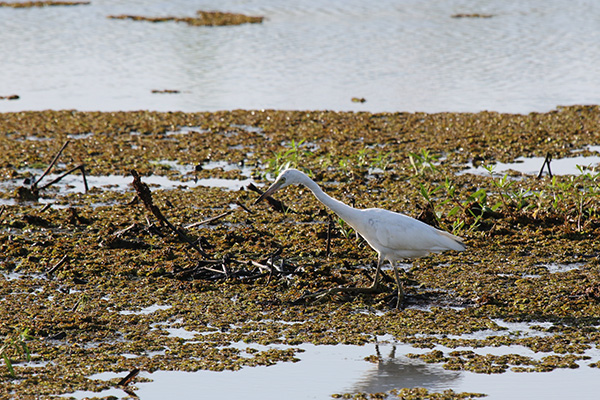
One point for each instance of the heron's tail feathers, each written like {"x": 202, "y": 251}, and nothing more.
{"x": 455, "y": 242}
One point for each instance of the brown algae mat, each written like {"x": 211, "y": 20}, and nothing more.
{"x": 30, "y": 4}
{"x": 79, "y": 268}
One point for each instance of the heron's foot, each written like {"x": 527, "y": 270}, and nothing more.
{"x": 376, "y": 287}
{"x": 396, "y": 300}
{"x": 316, "y": 296}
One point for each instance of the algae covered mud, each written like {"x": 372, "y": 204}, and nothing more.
{"x": 96, "y": 285}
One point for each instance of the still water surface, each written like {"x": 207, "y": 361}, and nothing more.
{"x": 327, "y": 370}
{"x": 400, "y": 55}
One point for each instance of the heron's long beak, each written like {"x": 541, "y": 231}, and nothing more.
{"x": 274, "y": 187}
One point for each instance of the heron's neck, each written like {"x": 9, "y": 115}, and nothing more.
{"x": 341, "y": 209}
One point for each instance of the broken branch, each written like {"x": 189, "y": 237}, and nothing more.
{"x": 79, "y": 167}
{"x": 143, "y": 192}
{"x": 51, "y": 164}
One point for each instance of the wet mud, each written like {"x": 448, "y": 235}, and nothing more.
{"x": 92, "y": 280}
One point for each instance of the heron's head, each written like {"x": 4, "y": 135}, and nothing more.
{"x": 288, "y": 177}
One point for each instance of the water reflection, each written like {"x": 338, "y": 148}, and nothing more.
{"x": 394, "y": 371}
{"x": 326, "y": 370}
{"x": 322, "y": 371}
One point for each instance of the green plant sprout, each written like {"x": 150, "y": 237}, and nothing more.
{"x": 287, "y": 158}
{"x": 15, "y": 345}
{"x": 382, "y": 161}
{"x": 345, "y": 229}
{"x": 422, "y": 161}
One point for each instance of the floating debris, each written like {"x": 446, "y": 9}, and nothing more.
{"x": 473, "y": 15}
{"x": 10, "y": 97}
{"x": 202, "y": 18}
{"x": 169, "y": 91}
{"x": 29, "y": 4}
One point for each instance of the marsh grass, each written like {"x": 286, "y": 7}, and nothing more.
{"x": 15, "y": 346}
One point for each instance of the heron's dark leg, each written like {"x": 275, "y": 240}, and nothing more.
{"x": 374, "y": 288}
{"x": 400, "y": 289}
{"x": 376, "y": 280}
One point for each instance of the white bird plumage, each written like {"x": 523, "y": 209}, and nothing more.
{"x": 394, "y": 236}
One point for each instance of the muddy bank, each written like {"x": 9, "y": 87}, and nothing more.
{"x": 97, "y": 281}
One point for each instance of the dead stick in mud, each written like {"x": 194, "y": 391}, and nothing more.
{"x": 143, "y": 192}
{"x": 217, "y": 217}
{"x": 329, "y": 229}
{"x": 249, "y": 211}
{"x": 127, "y": 380}
{"x": 79, "y": 167}
{"x": 124, "y": 230}
{"x": 209, "y": 220}
{"x": 262, "y": 267}
{"x": 59, "y": 264}
{"x": 547, "y": 161}
{"x": 51, "y": 165}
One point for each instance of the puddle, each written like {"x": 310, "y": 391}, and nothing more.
{"x": 533, "y": 165}
{"x": 339, "y": 369}
{"x": 181, "y": 333}
{"x": 552, "y": 268}
{"x": 74, "y": 183}
{"x": 249, "y": 128}
{"x": 523, "y": 328}
{"x": 15, "y": 275}
{"x": 172, "y": 331}
{"x": 511, "y": 329}
{"x": 184, "y": 130}
{"x": 81, "y": 135}
{"x": 227, "y": 166}
{"x": 37, "y": 139}
{"x": 146, "y": 310}
{"x": 34, "y": 364}
{"x": 556, "y": 268}
{"x": 329, "y": 369}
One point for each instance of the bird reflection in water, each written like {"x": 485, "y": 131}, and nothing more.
{"x": 397, "y": 372}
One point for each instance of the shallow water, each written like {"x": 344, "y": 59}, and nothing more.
{"x": 338, "y": 369}
{"x": 575, "y": 165}
{"x": 343, "y": 369}
{"x": 73, "y": 183}
{"x": 399, "y": 55}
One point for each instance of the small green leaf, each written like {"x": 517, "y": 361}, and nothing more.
{"x": 11, "y": 370}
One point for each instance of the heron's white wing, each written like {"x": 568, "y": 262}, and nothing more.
{"x": 402, "y": 236}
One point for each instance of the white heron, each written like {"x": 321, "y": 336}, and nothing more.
{"x": 394, "y": 236}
